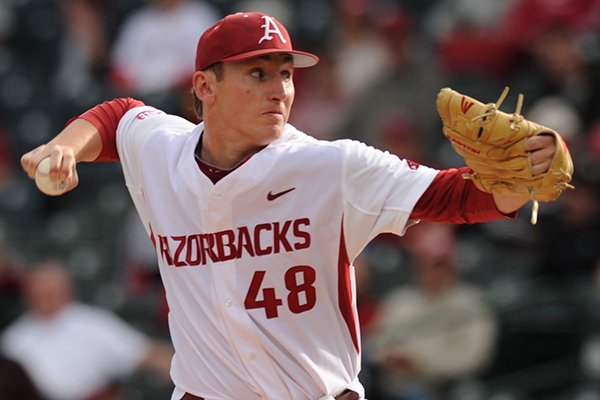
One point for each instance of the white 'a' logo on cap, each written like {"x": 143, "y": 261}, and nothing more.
{"x": 270, "y": 28}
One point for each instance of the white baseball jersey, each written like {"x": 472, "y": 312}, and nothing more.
{"x": 257, "y": 267}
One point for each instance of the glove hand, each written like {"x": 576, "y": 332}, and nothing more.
{"x": 541, "y": 149}
{"x": 507, "y": 153}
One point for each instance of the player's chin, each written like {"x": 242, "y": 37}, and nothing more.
{"x": 274, "y": 124}
{"x": 270, "y": 134}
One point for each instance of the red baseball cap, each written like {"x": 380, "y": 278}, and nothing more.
{"x": 245, "y": 35}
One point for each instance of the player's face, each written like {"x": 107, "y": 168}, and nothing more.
{"x": 255, "y": 97}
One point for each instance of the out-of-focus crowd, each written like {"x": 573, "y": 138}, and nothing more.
{"x": 498, "y": 311}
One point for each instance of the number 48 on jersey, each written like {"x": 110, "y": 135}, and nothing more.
{"x": 301, "y": 293}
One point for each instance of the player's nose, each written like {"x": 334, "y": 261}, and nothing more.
{"x": 281, "y": 88}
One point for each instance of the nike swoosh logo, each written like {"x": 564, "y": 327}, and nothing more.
{"x": 272, "y": 196}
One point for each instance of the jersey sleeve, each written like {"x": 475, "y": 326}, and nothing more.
{"x": 452, "y": 199}
{"x": 106, "y": 117}
{"x": 136, "y": 128}
{"x": 380, "y": 191}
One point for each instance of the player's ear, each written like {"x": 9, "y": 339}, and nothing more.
{"x": 203, "y": 82}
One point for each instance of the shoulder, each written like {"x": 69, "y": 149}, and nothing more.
{"x": 293, "y": 137}
{"x": 295, "y": 144}
{"x": 14, "y": 330}
{"x": 148, "y": 118}
{"x": 18, "y": 333}
{"x": 149, "y": 113}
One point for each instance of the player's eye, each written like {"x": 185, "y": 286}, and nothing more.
{"x": 286, "y": 74}
{"x": 257, "y": 73}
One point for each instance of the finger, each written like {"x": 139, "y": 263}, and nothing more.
{"x": 541, "y": 160}
{"x": 62, "y": 163}
{"x": 67, "y": 166}
{"x": 56, "y": 160}
{"x": 541, "y": 155}
{"x": 25, "y": 164}
{"x": 539, "y": 142}
{"x": 31, "y": 159}
{"x": 74, "y": 180}
{"x": 540, "y": 168}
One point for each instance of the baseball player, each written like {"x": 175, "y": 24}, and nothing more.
{"x": 256, "y": 224}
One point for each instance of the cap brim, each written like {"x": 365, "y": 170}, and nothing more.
{"x": 302, "y": 59}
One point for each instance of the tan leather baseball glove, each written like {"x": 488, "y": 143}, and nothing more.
{"x": 492, "y": 143}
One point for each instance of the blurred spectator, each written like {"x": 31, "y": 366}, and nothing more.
{"x": 74, "y": 351}
{"x": 155, "y": 49}
{"x": 83, "y": 48}
{"x": 358, "y": 48}
{"x": 436, "y": 333}
{"x": 407, "y": 91}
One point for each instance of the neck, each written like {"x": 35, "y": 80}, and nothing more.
{"x": 220, "y": 152}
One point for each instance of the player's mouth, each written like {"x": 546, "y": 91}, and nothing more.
{"x": 274, "y": 114}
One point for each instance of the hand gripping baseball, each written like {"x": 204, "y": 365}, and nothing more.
{"x": 493, "y": 144}
{"x": 52, "y": 168}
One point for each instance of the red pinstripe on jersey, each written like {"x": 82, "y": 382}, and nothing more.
{"x": 345, "y": 291}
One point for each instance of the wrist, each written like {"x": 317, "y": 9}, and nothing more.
{"x": 507, "y": 204}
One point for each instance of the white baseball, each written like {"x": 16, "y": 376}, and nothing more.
{"x": 43, "y": 182}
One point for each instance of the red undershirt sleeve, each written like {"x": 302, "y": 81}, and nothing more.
{"x": 106, "y": 117}
{"x": 452, "y": 199}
